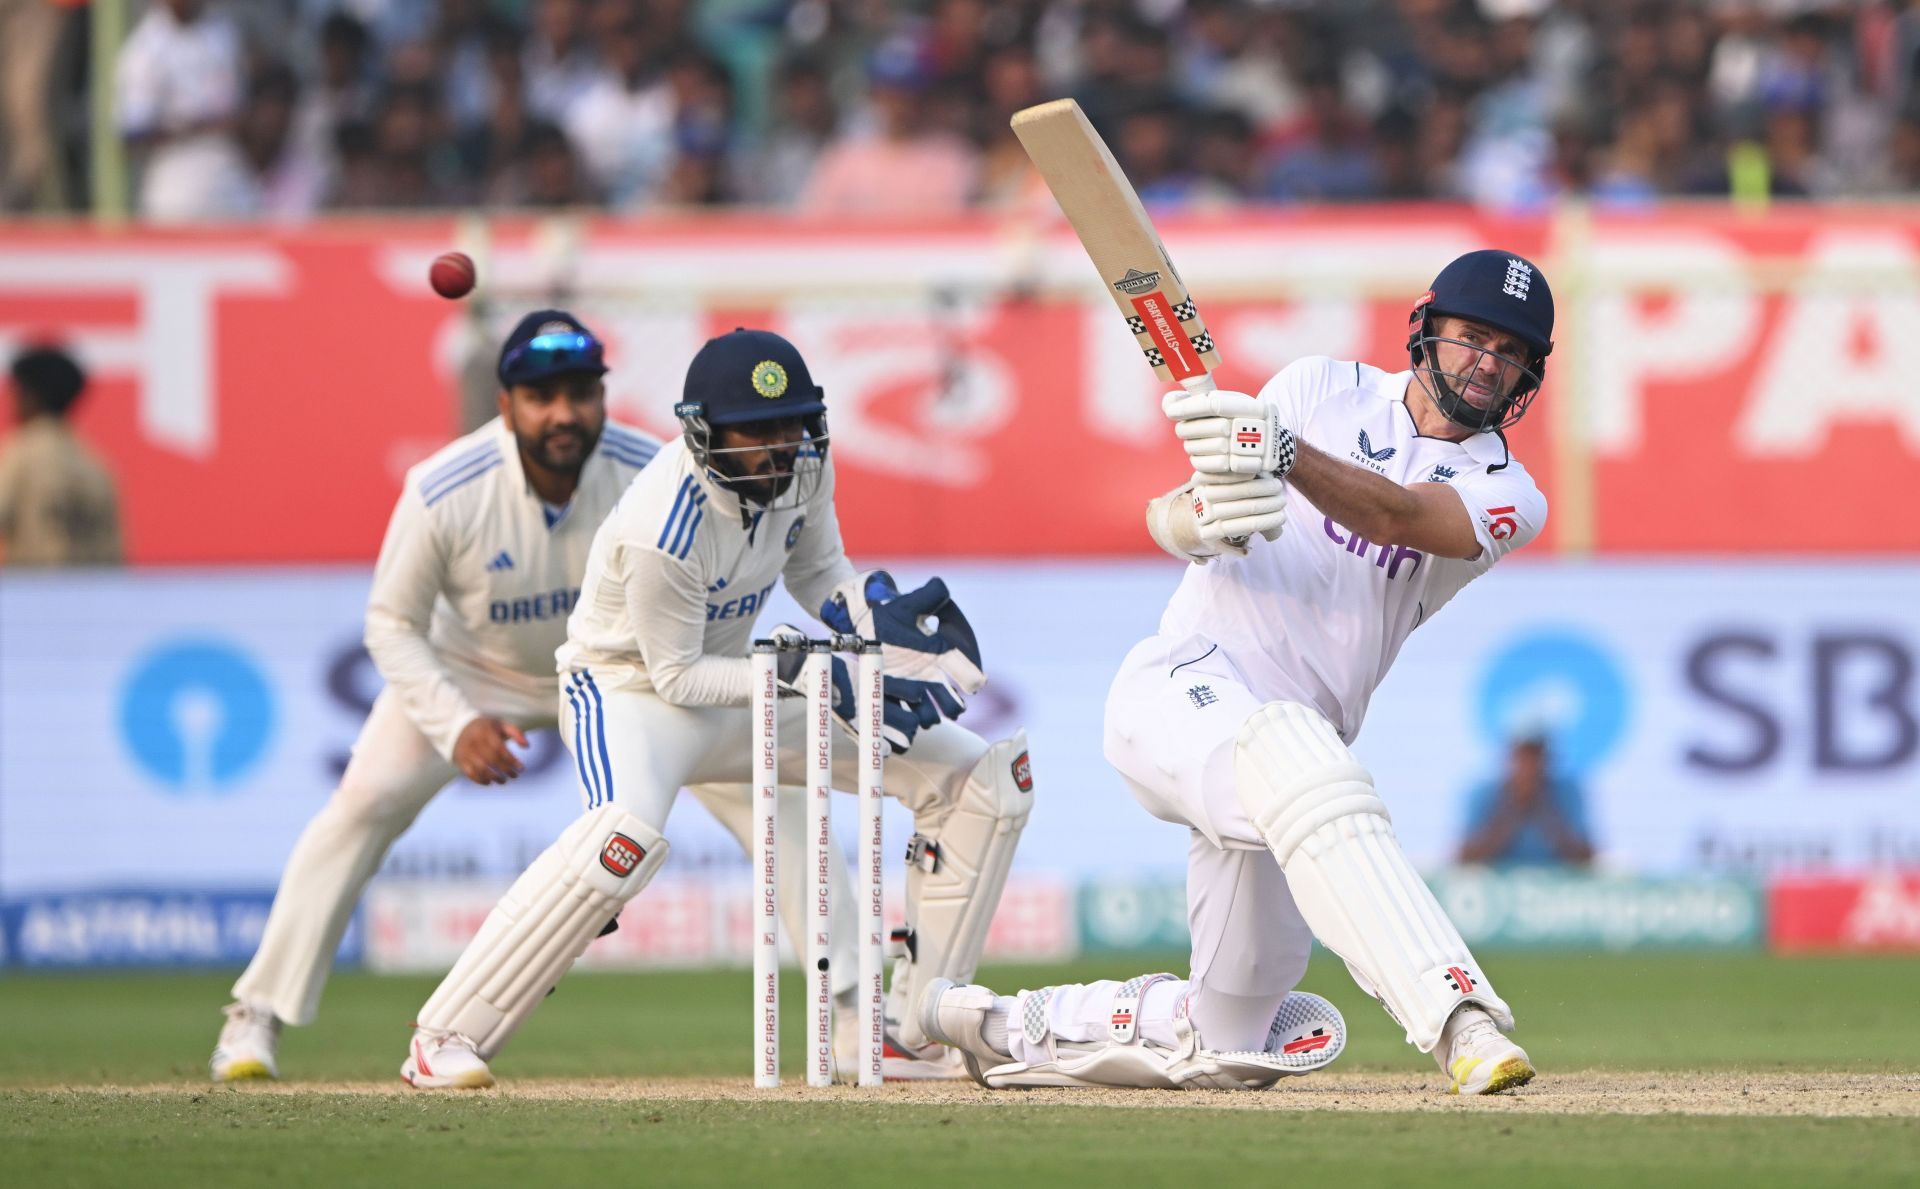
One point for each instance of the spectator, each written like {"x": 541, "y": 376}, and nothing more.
{"x": 1329, "y": 159}
{"x": 417, "y": 165}
{"x": 803, "y": 120}
{"x": 179, "y": 83}
{"x": 289, "y": 177}
{"x": 702, "y": 123}
{"x": 1528, "y": 817}
{"x": 29, "y": 46}
{"x": 900, "y": 168}
{"x": 342, "y": 93}
{"x": 57, "y": 501}
{"x": 622, "y": 122}
{"x": 1229, "y": 63}
{"x": 1149, "y": 145}
{"x": 490, "y": 152}
{"x": 552, "y": 174}
{"x": 1507, "y": 103}
{"x": 560, "y": 61}
{"x": 1011, "y": 81}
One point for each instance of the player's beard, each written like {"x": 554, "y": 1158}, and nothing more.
{"x": 765, "y": 480}
{"x": 561, "y": 451}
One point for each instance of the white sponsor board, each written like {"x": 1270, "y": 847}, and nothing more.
{"x": 175, "y": 729}
{"x": 681, "y": 921}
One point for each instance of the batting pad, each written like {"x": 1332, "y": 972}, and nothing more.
{"x": 543, "y": 923}
{"x": 955, "y": 884}
{"x": 1316, "y": 808}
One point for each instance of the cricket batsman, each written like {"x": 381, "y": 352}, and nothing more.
{"x": 480, "y": 567}
{"x": 1397, "y": 489}
{"x": 655, "y": 688}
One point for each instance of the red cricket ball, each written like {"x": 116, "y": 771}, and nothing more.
{"x": 451, "y": 274}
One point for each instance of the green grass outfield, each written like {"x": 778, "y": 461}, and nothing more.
{"x": 1703, "y": 1069}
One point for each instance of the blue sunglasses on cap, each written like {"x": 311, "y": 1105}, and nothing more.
{"x": 552, "y": 354}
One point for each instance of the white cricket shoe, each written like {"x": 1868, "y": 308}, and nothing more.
{"x": 444, "y": 1061}
{"x": 1478, "y": 1058}
{"x": 955, "y": 1014}
{"x": 248, "y": 1046}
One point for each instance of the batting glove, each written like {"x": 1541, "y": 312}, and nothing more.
{"x": 1231, "y": 433}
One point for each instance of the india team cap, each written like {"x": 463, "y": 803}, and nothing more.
{"x": 549, "y": 343}
{"x": 749, "y": 375}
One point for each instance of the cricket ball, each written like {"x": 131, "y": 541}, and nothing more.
{"x": 452, "y": 274}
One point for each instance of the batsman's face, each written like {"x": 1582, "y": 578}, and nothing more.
{"x": 758, "y": 458}
{"x": 557, "y": 421}
{"x": 1482, "y": 362}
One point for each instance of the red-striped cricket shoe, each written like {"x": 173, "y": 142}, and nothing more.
{"x": 444, "y": 1061}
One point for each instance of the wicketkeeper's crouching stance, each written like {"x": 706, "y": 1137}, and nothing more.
{"x": 656, "y": 683}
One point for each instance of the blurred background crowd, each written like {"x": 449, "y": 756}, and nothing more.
{"x": 281, "y": 108}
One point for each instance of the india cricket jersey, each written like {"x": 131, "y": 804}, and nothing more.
{"x": 478, "y": 574}
{"x": 1318, "y": 616}
{"x": 679, "y": 573}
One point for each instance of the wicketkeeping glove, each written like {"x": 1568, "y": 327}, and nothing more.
{"x": 923, "y": 635}
{"x": 905, "y": 708}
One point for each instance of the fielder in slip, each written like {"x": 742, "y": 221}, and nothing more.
{"x": 656, "y": 682}
{"x": 478, "y": 572}
{"x": 1397, "y": 490}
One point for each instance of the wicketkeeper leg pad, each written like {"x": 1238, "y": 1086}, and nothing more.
{"x": 956, "y": 869}
{"x": 1315, "y": 806}
{"x": 543, "y": 923}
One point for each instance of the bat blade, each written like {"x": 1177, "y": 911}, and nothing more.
{"x": 1113, "y": 226}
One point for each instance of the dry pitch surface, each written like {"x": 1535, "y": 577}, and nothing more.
{"x": 1665, "y": 1092}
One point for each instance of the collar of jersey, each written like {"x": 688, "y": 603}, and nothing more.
{"x": 1484, "y": 448}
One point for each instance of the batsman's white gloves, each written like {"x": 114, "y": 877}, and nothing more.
{"x": 1209, "y": 516}
{"x": 1230, "y": 433}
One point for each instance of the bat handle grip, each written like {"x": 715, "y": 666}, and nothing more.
{"x": 1204, "y": 383}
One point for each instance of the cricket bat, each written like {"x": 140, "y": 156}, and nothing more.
{"x": 1113, "y": 227}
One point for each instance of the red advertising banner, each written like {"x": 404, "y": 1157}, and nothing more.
{"x": 1719, "y": 385}
{"x": 1844, "y": 914}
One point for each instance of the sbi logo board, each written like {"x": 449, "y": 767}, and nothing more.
{"x": 196, "y": 714}
{"x": 1843, "y": 700}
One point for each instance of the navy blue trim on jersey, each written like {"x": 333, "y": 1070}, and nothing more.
{"x": 590, "y": 739}
{"x": 455, "y": 484}
{"x": 673, "y": 514}
{"x": 600, "y": 737}
{"x": 456, "y": 471}
{"x": 676, "y": 536}
{"x": 627, "y": 447}
{"x": 580, "y": 753}
{"x": 693, "y": 526}
{"x": 630, "y": 455}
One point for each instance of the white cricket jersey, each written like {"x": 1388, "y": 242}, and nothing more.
{"x": 1318, "y": 616}
{"x": 477, "y": 574}
{"x": 678, "y": 574}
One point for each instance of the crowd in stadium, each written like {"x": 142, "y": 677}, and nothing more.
{"x": 282, "y": 108}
